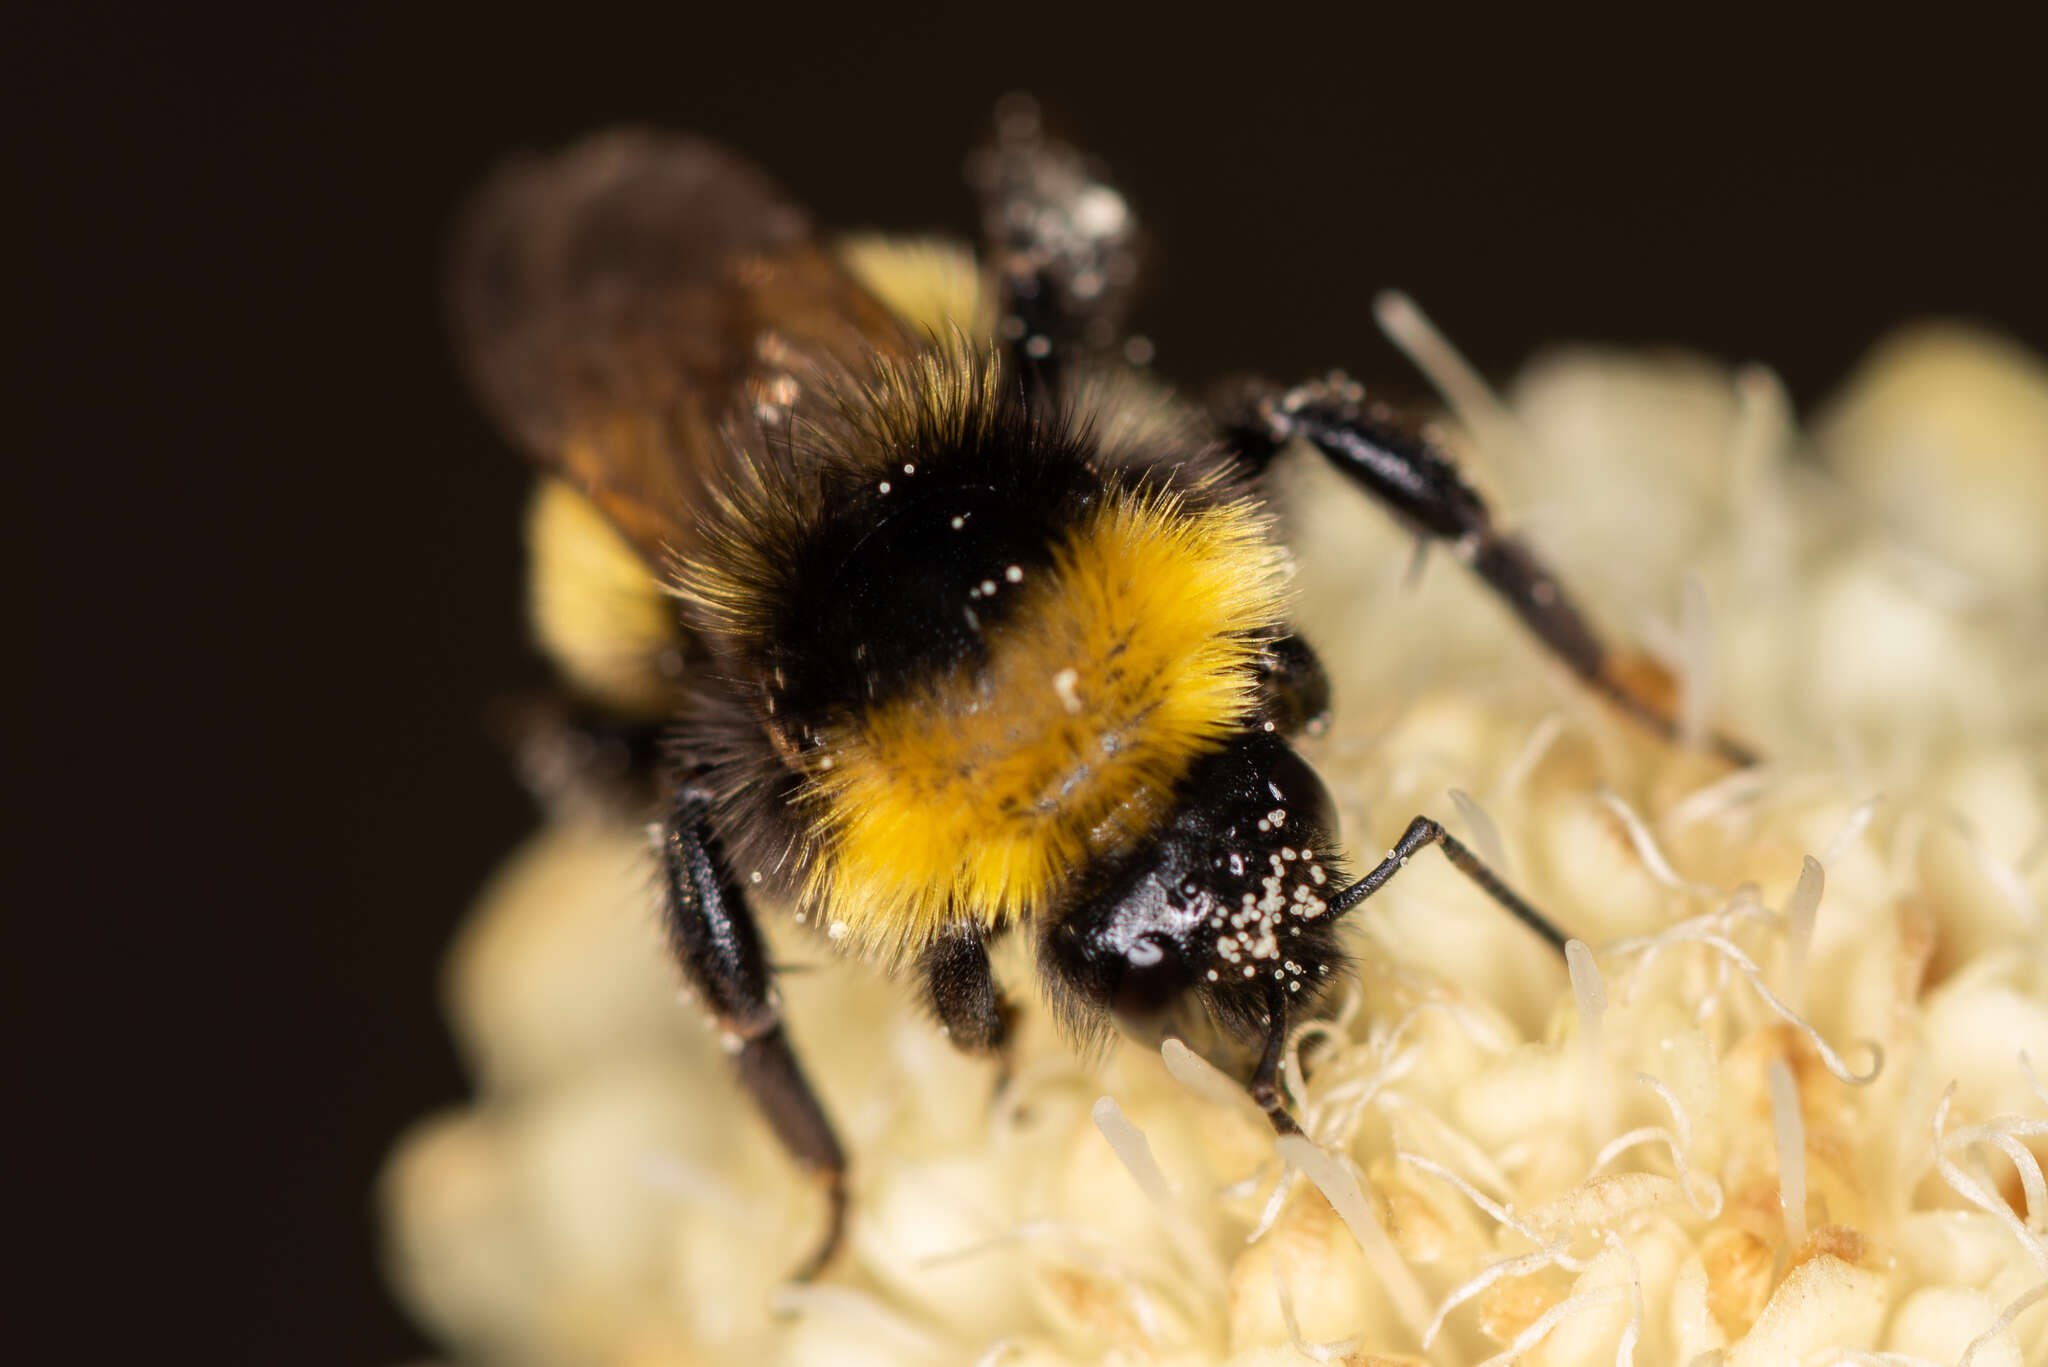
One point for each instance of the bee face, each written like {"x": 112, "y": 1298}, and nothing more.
{"x": 1226, "y": 913}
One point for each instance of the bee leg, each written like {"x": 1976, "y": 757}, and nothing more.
{"x": 962, "y": 992}
{"x": 1419, "y": 483}
{"x": 1265, "y": 1084}
{"x": 1423, "y": 832}
{"x": 1062, "y": 244}
{"x": 712, "y": 933}
{"x": 1294, "y": 690}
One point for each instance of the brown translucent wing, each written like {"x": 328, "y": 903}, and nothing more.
{"x": 612, "y": 304}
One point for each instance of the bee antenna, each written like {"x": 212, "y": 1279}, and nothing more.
{"x": 1422, "y": 832}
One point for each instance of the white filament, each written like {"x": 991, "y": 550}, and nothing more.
{"x": 1135, "y": 1151}
{"x": 2002, "y": 1323}
{"x": 1589, "y": 995}
{"x": 1732, "y": 954}
{"x": 1800, "y": 914}
{"x": 1471, "y": 400}
{"x": 1204, "y": 1078}
{"x": 1648, "y": 851}
{"x": 1975, "y": 1192}
{"x": 1696, "y": 663}
{"x": 1788, "y": 1129}
{"x": 1339, "y": 1186}
{"x": 1549, "y": 1320}
{"x": 1485, "y": 834}
{"x": 1852, "y": 829}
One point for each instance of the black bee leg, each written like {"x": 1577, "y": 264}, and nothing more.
{"x": 1062, "y": 244}
{"x": 1294, "y": 690}
{"x": 962, "y": 992}
{"x": 1419, "y": 483}
{"x": 1265, "y": 1084}
{"x": 712, "y": 933}
{"x": 1423, "y": 832}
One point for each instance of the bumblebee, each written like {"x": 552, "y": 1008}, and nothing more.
{"x": 928, "y": 612}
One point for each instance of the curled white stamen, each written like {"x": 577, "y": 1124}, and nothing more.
{"x": 1455, "y": 1143}
{"x": 1722, "y": 795}
{"x": 1501, "y": 1214}
{"x": 1518, "y": 1266}
{"x": 1652, "y": 856}
{"x": 2003, "y": 1132}
{"x": 1314, "y": 1352}
{"x": 1975, "y": 1192}
{"x": 2002, "y": 1323}
{"x": 1732, "y": 954}
{"x": 1550, "y": 1319}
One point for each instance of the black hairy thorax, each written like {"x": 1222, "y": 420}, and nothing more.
{"x": 912, "y": 564}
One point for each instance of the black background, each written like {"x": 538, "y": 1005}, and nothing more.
{"x": 269, "y": 551}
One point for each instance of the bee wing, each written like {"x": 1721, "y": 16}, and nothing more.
{"x": 612, "y": 303}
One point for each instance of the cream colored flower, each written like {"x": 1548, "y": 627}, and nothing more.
{"x": 1684, "y": 1146}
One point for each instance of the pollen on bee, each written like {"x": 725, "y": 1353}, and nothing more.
{"x": 1066, "y": 684}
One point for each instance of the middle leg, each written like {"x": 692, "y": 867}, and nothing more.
{"x": 1419, "y": 483}
{"x": 712, "y": 933}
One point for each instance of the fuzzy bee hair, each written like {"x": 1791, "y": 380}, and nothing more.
{"x": 981, "y": 646}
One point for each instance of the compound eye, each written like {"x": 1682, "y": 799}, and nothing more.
{"x": 1302, "y": 796}
{"x": 1155, "y": 974}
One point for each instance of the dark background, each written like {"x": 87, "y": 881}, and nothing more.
{"x": 269, "y": 551}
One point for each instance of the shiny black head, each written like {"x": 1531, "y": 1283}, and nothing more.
{"x": 1223, "y": 916}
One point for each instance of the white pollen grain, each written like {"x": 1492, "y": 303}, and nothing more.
{"x": 885, "y": 486}
{"x": 1066, "y": 684}
{"x": 1015, "y": 574}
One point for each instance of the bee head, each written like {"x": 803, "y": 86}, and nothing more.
{"x": 1222, "y": 918}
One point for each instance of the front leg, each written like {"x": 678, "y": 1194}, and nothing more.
{"x": 712, "y": 933}
{"x": 1419, "y": 483}
{"x": 1061, "y": 242}
{"x": 1294, "y": 690}
{"x": 961, "y": 990}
